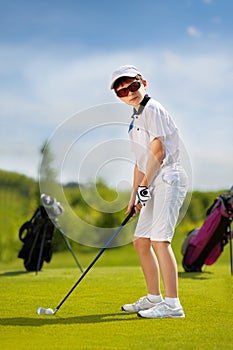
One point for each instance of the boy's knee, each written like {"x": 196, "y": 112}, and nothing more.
{"x": 161, "y": 246}
{"x": 136, "y": 244}
{"x": 142, "y": 245}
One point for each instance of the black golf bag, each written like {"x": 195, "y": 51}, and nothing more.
{"x": 204, "y": 245}
{"x": 36, "y": 235}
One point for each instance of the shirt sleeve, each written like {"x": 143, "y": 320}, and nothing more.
{"x": 155, "y": 122}
{"x": 158, "y": 122}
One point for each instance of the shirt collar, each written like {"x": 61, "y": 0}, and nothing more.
{"x": 142, "y": 105}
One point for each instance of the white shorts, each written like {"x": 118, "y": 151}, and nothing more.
{"x": 158, "y": 218}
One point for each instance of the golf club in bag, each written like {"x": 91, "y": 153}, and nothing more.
{"x": 204, "y": 245}
{"x": 54, "y": 209}
{"x": 49, "y": 311}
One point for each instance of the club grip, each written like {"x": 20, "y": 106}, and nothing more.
{"x": 128, "y": 216}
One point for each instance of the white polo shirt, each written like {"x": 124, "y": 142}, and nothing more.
{"x": 151, "y": 121}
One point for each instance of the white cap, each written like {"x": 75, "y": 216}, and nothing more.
{"x": 124, "y": 71}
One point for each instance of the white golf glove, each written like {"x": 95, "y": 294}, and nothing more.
{"x": 143, "y": 194}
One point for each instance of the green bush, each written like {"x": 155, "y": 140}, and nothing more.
{"x": 20, "y": 198}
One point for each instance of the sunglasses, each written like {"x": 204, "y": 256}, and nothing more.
{"x": 134, "y": 86}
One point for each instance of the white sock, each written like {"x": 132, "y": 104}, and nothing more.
{"x": 173, "y": 302}
{"x": 155, "y": 298}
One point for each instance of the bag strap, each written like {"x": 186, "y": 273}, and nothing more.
{"x": 26, "y": 227}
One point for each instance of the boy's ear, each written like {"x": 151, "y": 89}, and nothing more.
{"x": 144, "y": 82}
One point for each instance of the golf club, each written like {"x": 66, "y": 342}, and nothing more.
{"x": 49, "y": 311}
{"x": 55, "y": 209}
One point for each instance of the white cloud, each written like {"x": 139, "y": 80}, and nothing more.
{"x": 193, "y": 86}
{"x": 194, "y": 32}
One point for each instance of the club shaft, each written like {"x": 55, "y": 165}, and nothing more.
{"x": 96, "y": 258}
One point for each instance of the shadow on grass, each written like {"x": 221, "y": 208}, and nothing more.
{"x": 54, "y": 320}
{"x": 195, "y": 275}
{"x": 13, "y": 273}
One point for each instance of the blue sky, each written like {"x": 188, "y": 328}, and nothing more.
{"x": 57, "y": 58}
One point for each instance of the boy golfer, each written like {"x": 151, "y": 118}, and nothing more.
{"x": 159, "y": 189}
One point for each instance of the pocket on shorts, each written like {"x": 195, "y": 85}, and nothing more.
{"x": 170, "y": 177}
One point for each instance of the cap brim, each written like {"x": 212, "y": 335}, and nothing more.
{"x": 133, "y": 75}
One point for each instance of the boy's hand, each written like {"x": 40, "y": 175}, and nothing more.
{"x": 137, "y": 207}
{"x": 143, "y": 194}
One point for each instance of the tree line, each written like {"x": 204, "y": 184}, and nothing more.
{"x": 20, "y": 197}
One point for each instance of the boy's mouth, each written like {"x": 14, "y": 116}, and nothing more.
{"x": 133, "y": 99}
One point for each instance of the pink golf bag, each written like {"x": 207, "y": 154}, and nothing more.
{"x": 203, "y": 246}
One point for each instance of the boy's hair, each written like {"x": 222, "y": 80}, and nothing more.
{"x": 120, "y": 81}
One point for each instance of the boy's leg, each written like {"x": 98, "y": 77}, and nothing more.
{"x": 168, "y": 267}
{"x": 150, "y": 269}
{"x": 149, "y": 264}
{"x": 171, "y": 306}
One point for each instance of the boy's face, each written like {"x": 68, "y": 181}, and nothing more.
{"x": 134, "y": 97}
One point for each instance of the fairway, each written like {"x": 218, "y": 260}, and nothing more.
{"x": 91, "y": 318}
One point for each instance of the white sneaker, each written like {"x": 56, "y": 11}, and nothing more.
{"x": 162, "y": 310}
{"x": 142, "y": 304}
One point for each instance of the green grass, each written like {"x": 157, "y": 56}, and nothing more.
{"x": 91, "y": 318}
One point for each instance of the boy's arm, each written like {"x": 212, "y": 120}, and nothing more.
{"x": 140, "y": 179}
{"x": 137, "y": 179}
{"x": 155, "y": 160}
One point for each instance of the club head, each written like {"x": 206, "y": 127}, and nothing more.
{"x": 53, "y": 207}
{"x": 43, "y": 311}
